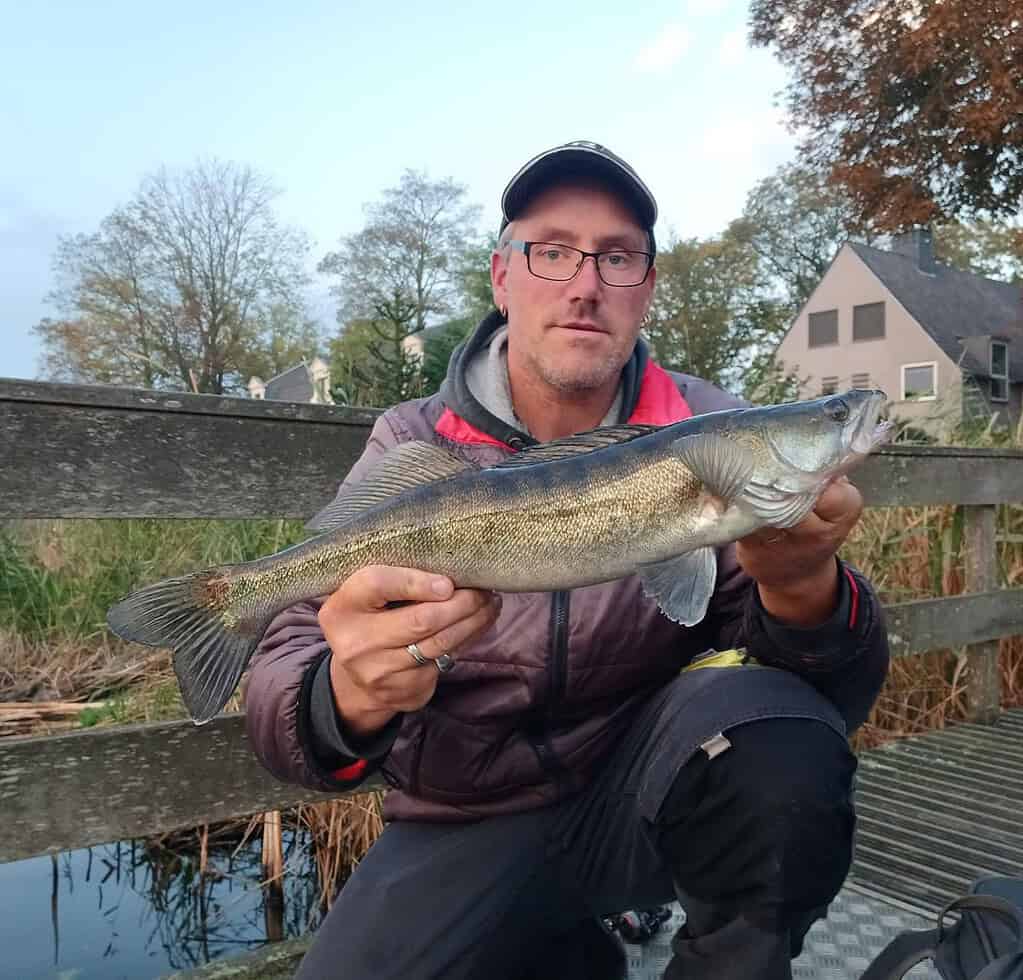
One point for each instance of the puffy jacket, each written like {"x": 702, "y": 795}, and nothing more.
{"x": 538, "y": 700}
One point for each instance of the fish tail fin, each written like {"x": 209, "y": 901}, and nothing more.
{"x": 212, "y": 646}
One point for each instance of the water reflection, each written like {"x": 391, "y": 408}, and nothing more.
{"x": 139, "y": 910}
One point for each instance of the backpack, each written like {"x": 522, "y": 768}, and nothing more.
{"x": 984, "y": 943}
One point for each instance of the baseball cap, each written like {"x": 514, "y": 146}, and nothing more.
{"x": 580, "y": 158}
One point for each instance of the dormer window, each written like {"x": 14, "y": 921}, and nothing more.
{"x": 999, "y": 371}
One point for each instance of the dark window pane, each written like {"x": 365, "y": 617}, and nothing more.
{"x": 999, "y": 390}
{"x": 829, "y": 386}
{"x": 999, "y": 360}
{"x": 868, "y": 321}
{"x": 861, "y": 380}
{"x": 823, "y": 328}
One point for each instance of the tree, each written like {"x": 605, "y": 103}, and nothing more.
{"x": 915, "y": 108}
{"x": 413, "y": 247}
{"x": 184, "y": 286}
{"x": 795, "y": 222}
{"x": 711, "y": 314}
{"x": 983, "y": 247}
{"x": 439, "y": 345}
{"x": 406, "y": 268}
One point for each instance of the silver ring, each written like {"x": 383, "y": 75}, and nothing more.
{"x": 444, "y": 663}
{"x": 417, "y": 655}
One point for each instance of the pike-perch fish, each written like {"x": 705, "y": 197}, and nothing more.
{"x": 652, "y": 501}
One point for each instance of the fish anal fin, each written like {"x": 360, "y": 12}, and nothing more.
{"x": 577, "y": 445}
{"x": 407, "y": 465}
{"x": 722, "y": 467}
{"x": 682, "y": 586}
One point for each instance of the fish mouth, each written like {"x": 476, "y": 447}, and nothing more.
{"x": 873, "y": 428}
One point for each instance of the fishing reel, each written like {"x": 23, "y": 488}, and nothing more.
{"x": 639, "y": 925}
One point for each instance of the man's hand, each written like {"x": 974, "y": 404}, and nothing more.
{"x": 795, "y": 568}
{"x": 371, "y": 670}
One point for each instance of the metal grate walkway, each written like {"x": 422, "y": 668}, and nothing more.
{"x": 938, "y": 811}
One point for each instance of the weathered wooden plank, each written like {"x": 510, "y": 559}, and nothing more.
{"x": 67, "y": 791}
{"x": 984, "y": 678}
{"x": 67, "y": 451}
{"x": 954, "y": 621}
{"x": 95, "y": 451}
{"x": 901, "y": 476}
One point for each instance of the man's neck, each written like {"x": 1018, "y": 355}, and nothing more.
{"x": 551, "y": 413}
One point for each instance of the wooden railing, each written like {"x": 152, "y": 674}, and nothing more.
{"x": 74, "y": 451}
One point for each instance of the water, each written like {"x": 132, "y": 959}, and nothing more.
{"x": 135, "y": 911}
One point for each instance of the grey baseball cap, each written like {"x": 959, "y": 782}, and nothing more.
{"x": 580, "y": 158}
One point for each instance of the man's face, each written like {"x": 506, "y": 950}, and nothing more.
{"x": 575, "y": 335}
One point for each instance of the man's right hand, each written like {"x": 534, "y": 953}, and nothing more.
{"x": 371, "y": 670}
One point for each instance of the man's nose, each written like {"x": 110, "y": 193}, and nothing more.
{"x": 587, "y": 281}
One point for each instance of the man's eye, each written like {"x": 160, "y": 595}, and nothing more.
{"x": 618, "y": 259}
{"x": 552, "y": 254}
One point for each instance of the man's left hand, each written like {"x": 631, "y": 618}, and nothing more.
{"x": 795, "y": 568}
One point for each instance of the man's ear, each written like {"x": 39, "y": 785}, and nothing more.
{"x": 498, "y": 277}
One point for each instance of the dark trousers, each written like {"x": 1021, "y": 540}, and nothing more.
{"x": 755, "y": 841}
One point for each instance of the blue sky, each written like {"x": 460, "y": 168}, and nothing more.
{"x": 334, "y": 100}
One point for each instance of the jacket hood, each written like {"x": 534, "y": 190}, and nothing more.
{"x": 455, "y": 393}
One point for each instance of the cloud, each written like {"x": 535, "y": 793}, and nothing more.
{"x": 665, "y": 50}
{"x": 732, "y": 49}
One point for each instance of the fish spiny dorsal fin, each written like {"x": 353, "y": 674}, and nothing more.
{"x": 407, "y": 465}
{"x": 577, "y": 445}
{"x": 721, "y": 466}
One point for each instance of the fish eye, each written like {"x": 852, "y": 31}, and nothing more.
{"x": 837, "y": 410}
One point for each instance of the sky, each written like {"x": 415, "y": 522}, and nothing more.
{"x": 335, "y": 100}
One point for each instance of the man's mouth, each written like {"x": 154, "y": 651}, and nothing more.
{"x": 584, "y": 326}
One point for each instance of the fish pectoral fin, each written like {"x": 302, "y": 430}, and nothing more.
{"x": 682, "y": 586}
{"x": 407, "y": 465}
{"x": 717, "y": 462}
{"x": 577, "y": 445}
{"x": 779, "y": 508}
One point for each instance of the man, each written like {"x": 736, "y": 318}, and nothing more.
{"x": 568, "y": 767}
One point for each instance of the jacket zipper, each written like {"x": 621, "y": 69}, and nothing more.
{"x": 559, "y": 651}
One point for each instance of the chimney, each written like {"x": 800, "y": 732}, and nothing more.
{"x": 917, "y": 244}
{"x": 256, "y": 388}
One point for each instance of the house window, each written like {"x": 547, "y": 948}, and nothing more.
{"x": 823, "y": 328}
{"x": 861, "y": 380}
{"x": 829, "y": 386}
{"x": 868, "y": 321}
{"x": 919, "y": 382}
{"x": 999, "y": 371}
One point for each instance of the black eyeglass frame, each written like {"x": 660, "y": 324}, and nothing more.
{"x": 525, "y": 247}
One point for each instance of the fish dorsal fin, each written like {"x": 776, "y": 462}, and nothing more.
{"x": 577, "y": 445}
{"x": 720, "y": 465}
{"x": 407, "y": 465}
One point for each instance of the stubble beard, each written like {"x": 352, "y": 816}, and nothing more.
{"x": 584, "y": 376}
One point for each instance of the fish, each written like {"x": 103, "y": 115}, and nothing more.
{"x": 646, "y": 500}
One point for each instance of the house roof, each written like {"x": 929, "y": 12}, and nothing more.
{"x": 954, "y": 307}
{"x": 293, "y": 385}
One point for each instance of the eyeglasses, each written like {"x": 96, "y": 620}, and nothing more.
{"x": 616, "y": 266}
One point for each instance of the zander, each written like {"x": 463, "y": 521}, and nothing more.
{"x": 654, "y": 501}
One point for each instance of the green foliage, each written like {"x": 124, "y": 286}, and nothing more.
{"x": 58, "y": 578}
{"x": 711, "y": 315}
{"x": 439, "y": 344}
{"x": 986, "y": 248}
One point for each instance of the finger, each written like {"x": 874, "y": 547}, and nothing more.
{"x": 374, "y": 586}
{"x": 396, "y": 628}
{"x": 840, "y": 503}
{"x": 450, "y": 639}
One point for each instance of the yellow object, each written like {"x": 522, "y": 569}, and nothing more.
{"x": 721, "y": 658}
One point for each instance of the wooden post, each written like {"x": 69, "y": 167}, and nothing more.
{"x": 983, "y": 684}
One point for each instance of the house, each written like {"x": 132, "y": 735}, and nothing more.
{"x": 302, "y": 383}
{"x": 941, "y": 342}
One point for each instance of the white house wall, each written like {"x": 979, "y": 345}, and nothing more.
{"x": 848, "y": 283}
